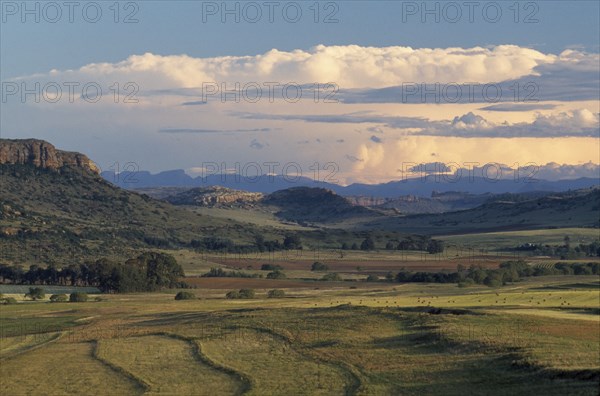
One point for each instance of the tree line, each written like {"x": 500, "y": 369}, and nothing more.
{"x": 566, "y": 251}
{"x": 509, "y": 272}
{"x": 148, "y": 272}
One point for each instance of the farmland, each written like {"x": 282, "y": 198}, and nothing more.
{"x": 536, "y": 336}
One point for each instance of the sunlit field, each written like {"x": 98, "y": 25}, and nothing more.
{"x": 537, "y": 336}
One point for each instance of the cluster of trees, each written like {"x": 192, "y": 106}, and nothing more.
{"x": 37, "y": 293}
{"x": 417, "y": 242}
{"x": 367, "y": 244}
{"x": 271, "y": 267}
{"x": 276, "y": 293}
{"x": 421, "y": 243}
{"x": 147, "y": 272}
{"x": 218, "y": 244}
{"x": 319, "y": 266}
{"x": 277, "y": 274}
{"x": 509, "y": 272}
{"x": 241, "y": 294}
{"x": 566, "y": 251}
{"x": 290, "y": 242}
{"x": 332, "y": 276}
{"x": 221, "y": 273}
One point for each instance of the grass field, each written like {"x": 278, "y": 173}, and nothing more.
{"x": 515, "y": 238}
{"x": 539, "y": 336}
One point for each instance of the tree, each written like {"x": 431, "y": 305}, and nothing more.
{"x": 276, "y": 293}
{"x": 270, "y": 267}
{"x": 372, "y": 278}
{"x": 59, "y": 298}
{"x": 185, "y": 295}
{"x": 390, "y": 246}
{"x": 434, "y": 246}
{"x": 78, "y": 297}
{"x": 246, "y": 293}
{"x": 35, "y": 293}
{"x": 367, "y": 244}
{"x": 567, "y": 240}
{"x": 276, "y": 275}
{"x": 494, "y": 279}
{"x": 292, "y": 242}
{"x": 232, "y": 295}
{"x": 345, "y": 246}
{"x": 332, "y": 276}
{"x": 354, "y": 246}
{"x": 319, "y": 266}
{"x": 163, "y": 271}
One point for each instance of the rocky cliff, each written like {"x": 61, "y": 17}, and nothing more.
{"x": 41, "y": 154}
{"x": 215, "y": 196}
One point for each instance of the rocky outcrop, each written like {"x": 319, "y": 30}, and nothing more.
{"x": 367, "y": 201}
{"x": 41, "y": 154}
{"x": 215, "y": 196}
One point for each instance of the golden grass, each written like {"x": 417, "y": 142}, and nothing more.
{"x": 11, "y": 346}
{"x": 62, "y": 369}
{"x": 275, "y": 367}
{"x": 167, "y": 366}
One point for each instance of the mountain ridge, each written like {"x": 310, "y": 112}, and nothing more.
{"x": 267, "y": 184}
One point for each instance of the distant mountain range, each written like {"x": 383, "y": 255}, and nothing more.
{"x": 420, "y": 187}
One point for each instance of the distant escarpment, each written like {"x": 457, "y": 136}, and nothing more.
{"x": 41, "y": 154}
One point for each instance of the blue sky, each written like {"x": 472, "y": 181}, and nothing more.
{"x": 177, "y": 27}
{"x": 373, "y": 52}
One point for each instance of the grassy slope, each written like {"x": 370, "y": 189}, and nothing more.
{"x": 74, "y": 214}
{"x": 380, "y": 344}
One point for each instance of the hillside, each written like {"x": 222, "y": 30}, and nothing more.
{"x": 56, "y": 209}
{"x": 570, "y": 209}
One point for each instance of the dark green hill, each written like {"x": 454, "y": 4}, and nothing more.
{"x": 319, "y": 205}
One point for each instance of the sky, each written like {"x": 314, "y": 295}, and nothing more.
{"x": 341, "y": 91}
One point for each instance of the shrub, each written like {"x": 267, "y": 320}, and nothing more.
{"x": 332, "y": 276}
{"x": 246, "y": 293}
{"x": 185, "y": 295}
{"x": 8, "y": 300}
{"x": 276, "y": 275}
{"x": 242, "y": 293}
{"x": 466, "y": 282}
{"x": 276, "y": 293}
{"x": 319, "y": 266}
{"x": 59, "y": 298}
{"x": 78, "y": 297}
{"x": 270, "y": 267}
{"x": 372, "y": 278}
{"x": 35, "y": 293}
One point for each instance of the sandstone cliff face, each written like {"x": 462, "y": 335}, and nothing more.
{"x": 367, "y": 201}
{"x": 41, "y": 154}
{"x": 215, "y": 196}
